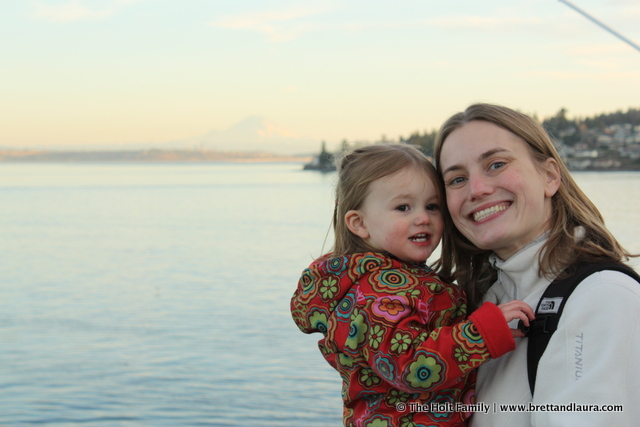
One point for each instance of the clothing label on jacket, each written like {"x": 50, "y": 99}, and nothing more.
{"x": 550, "y": 305}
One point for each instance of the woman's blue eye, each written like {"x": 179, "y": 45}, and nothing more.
{"x": 497, "y": 165}
{"x": 456, "y": 181}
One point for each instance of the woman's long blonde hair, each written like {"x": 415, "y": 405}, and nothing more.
{"x": 357, "y": 170}
{"x": 469, "y": 265}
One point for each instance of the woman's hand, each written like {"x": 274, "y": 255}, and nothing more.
{"x": 517, "y": 309}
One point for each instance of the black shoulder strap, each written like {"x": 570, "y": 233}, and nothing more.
{"x": 550, "y": 308}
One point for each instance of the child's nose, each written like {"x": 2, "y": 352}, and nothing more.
{"x": 423, "y": 217}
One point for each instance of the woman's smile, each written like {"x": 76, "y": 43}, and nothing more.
{"x": 485, "y": 213}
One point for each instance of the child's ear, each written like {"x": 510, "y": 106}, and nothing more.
{"x": 355, "y": 224}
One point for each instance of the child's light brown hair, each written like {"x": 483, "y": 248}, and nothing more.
{"x": 357, "y": 170}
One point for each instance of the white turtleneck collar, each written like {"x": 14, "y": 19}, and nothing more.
{"x": 518, "y": 276}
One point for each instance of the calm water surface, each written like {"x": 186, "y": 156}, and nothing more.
{"x": 157, "y": 295}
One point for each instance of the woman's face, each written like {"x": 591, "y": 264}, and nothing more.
{"x": 497, "y": 196}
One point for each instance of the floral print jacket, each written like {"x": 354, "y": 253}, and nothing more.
{"x": 399, "y": 337}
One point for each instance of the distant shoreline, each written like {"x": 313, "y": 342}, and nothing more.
{"x": 204, "y": 156}
{"x": 145, "y": 156}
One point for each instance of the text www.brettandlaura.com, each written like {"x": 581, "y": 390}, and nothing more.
{"x": 445, "y": 407}
{"x": 549, "y": 407}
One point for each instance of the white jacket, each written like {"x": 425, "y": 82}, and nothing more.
{"x": 592, "y": 359}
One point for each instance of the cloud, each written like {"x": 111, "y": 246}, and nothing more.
{"x": 557, "y": 27}
{"x": 277, "y": 25}
{"x": 77, "y": 11}
{"x": 291, "y": 22}
{"x": 600, "y": 74}
{"x": 633, "y": 3}
{"x": 593, "y": 50}
{"x": 72, "y": 11}
{"x": 485, "y": 23}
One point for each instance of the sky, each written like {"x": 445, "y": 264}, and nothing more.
{"x": 122, "y": 73}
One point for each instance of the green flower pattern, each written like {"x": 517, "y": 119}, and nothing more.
{"x": 410, "y": 293}
{"x": 407, "y": 421}
{"x": 376, "y": 336}
{"x": 369, "y": 378}
{"x": 357, "y": 331}
{"x": 329, "y": 288}
{"x": 397, "y": 396}
{"x": 400, "y": 342}
{"x": 378, "y": 423}
{"x": 460, "y": 355}
{"x": 425, "y": 372}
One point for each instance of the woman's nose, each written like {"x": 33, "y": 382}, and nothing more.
{"x": 479, "y": 186}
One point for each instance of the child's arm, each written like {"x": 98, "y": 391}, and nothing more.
{"x": 414, "y": 359}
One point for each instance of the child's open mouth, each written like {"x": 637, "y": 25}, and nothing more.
{"x": 422, "y": 237}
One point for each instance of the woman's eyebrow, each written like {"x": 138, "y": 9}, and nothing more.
{"x": 482, "y": 157}
{"x": 451, "y": 168}
{"x": 491, "y": 152}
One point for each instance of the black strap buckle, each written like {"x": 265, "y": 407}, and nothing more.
{"x": 523, "y": 328}
{"x": 540, "y": 325}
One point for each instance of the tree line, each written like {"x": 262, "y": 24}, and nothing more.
{"x": 572, "y": 131}
{"x": 559, "y": 126}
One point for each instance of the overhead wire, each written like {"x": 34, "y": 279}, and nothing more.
{"x": 602, "y": 25}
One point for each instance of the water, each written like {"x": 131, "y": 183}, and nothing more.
{"x": 157, "y": 295}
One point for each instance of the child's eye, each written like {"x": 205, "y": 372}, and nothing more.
{"x": 402, "y": 208}
{"x": 433, "y": 207}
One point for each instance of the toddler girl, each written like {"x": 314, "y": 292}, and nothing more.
{"x": 396, "y": 332}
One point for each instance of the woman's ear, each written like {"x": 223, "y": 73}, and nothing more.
{"x": 553, "y": 177}
{"x": 355, "y": 224}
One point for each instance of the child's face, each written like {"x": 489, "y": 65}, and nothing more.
{"x": 401, "y": 215}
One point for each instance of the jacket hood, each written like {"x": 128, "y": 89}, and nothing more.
{"x": 326, "y": 288}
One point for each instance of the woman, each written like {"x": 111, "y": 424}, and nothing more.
{"x": 520, "y": 220}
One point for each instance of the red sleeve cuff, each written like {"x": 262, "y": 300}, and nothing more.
{"x": 494, "y": 329}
